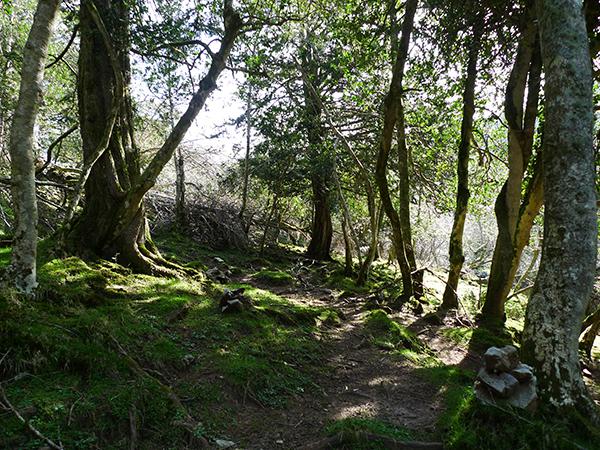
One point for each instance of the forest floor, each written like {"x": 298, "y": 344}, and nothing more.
{"x": 109, "y": 359}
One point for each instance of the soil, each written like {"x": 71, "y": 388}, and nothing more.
{"x": 361, "y": 380}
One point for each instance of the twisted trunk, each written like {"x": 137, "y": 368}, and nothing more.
{"x": 113, "y": 221}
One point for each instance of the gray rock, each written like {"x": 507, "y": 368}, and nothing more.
{"x": 216, "y": 275}
{"x": 503, "y": 384}
{"x": 222, "y": 443}
{"x": 525, "y": 396}
{"x": 501, "y": 359}
{"x": 522, "y": 372}
{"x": 512, "y": 354}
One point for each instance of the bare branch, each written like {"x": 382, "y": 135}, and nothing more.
{"x": 66, "y": 49}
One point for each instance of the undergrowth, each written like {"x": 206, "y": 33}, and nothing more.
{"x": 66, "y": 356}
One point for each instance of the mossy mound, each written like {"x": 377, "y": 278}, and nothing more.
{"x": 389, "y": 334}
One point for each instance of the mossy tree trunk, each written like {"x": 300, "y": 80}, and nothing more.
{"x": 22, "y": 270}
{"x": 113, "y": 220}
{"x": 391, "y": 110}
{"x": 514, "y": 218}
{"x": 456, "y": 254}
{"x": 565, "y": 279}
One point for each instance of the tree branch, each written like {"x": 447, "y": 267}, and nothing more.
{"x": 66, "y": 49}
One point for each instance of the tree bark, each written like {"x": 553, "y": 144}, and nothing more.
{"x": 322, "y": 229}
{"x": 390, "y": 117}
{"x": 113, "y": 222}
{"x": 513, "y": 226}
{"x": 180, "y": 214}
{"x": 404, "y": 204}
{"x": 565, "y": 279}
{"x": 456, "y": 254}
{"x": 247, "y": 156}
{"x": 22, "y": 269}
{"x": 320, "y": 160}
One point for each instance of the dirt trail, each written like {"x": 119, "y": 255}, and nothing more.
{"x": 362, "y": 381}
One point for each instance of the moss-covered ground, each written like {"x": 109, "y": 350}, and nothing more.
{"x": 104, "y": 358}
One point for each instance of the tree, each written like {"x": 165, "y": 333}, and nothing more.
{"x": 565, "y": 279}
{"x": 392, "y": 112}
{"x": 319, "y": 156}
{"x": 113, "y": 221}
{"x": 23, "y": 262}
{"x": 515, "y": 217}
{"x": 457, "y": 257}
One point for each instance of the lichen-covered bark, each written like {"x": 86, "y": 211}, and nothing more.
{"x": 457, "y": 258}
{"x": 566, "y": 275}
{"x": 23, "y": 264}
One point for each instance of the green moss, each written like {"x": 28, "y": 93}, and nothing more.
{"x": 273, "y": 277}
{"x": 5, "y": 253}
{"x": 389, "y": 334}
{"x": 476, "y": 426}
{"x": 369, "y": 425}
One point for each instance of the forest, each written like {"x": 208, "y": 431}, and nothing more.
{"x": 299, "y": 224}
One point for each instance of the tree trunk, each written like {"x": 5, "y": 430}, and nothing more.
{"x": 525, "y": 76}
{"x": 23, "y": 262}
{"x": 376, "y": 217}
{"x": 390, "y": 117}
{"x": 565, "y": 279}
{"x": 321, "y": 163}
{"x": 348, "y": 265}
{"x": 247, "y": 156}
{"x": 113, "y": 222}
{"x": 180, "y": 214}
{"x": 404, "y": 207}
{"x": 179, "y": 165}
{"x": 322, "y": 229}
{"x": 457, "y": 257}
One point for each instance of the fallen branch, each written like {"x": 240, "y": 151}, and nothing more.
{"x": 6, "y": 404}
{"x": 189, "y": 424}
